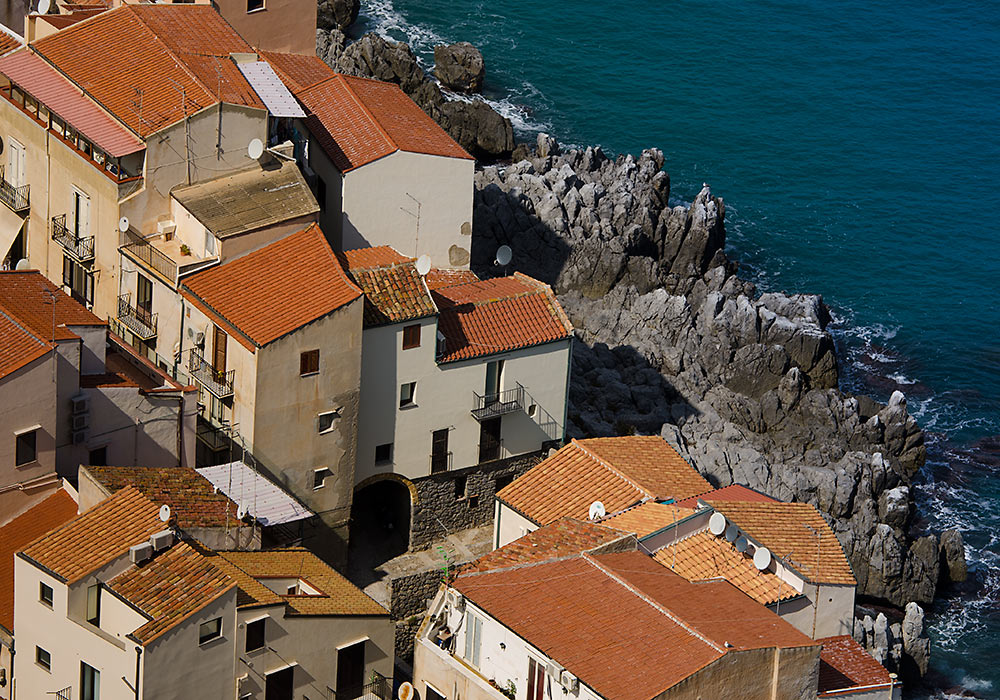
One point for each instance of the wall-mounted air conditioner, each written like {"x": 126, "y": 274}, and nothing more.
{"x": 80, "y": 403}
{"x": 80, "y": 437}
{"x": 81, "y": 421}
{"x": 569, "y": 682}
{"x": 139, "y": 553}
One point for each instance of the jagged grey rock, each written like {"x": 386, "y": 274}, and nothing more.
{"x": 915, "y": 643}
{"x": 337, "y": 14}
{"x": 460, "y": 67}
{"x": 953, "y": 555}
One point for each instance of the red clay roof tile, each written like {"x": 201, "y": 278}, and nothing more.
{"x": 29, "y": 297}
{"x": 734, "y": 492}
{"x": 844, "y": 664}
{"x": 393, "y": 289}
{"x": 18, "y": 346}
{"x": 298, "y": 71}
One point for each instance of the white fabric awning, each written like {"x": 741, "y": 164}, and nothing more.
{"x": 10, "y": 225}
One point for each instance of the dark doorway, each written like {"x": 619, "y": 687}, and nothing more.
{"x": 279, "y": 685}
{"x": 489, "y": 440}
{"x": 380, "y": 524}
{"x": 439, "y": 451}
{"x": 350, "y": 671}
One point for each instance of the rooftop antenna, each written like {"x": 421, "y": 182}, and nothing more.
{"x": 717, "y": 524}
{"x": 182, "y": 89}
{"x": 597, "y": 510}
{"x": 423, "y": 265}
{"x": 165, "y": 513}
{"x": 416, "y": 239}
{"x": 52, "y": 300}
{"x": 218, "y": 93}
{"x": 255, "y": 149}
{"x": 504, "y": 256}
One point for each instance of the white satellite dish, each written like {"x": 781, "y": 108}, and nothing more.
{"x": 732, "y": 532}
{"x": 597, "y": 510}
{"x": 717, "y": 524}
{"x": 255, "y": 149}
{"x": 43, "y": 6}
{"x": 22, "y": 264}
{"x": 762, "y": 558}
{"x": 504, "y": 255}
{"x": 123, "y": 224}
{"x": 741, "y": 544}
{"x": 241, "y": 512}
{"x": 423, "y": 265}
{"x": 165, "y": 513}
{"x": 405, "y": 691}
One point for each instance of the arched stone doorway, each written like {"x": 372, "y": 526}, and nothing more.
{"x": 380, "y": 520}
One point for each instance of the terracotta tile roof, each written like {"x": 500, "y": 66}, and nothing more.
{"x": 168, "y": 47}
{"x": 339, "y": 596}
{"x": 18, "y": 347}
{"x": 604, "y": 616}
{"x": 191, "y": 497}
{"x": 844, "y": 664}
{"x": 568, "y": 482}
{"x": 9, "y": 41}
{"x": 562, "y": 538}
{"x": 275, "y": 290}
{"x": 55, "y": 91}
{"x": 28, "y": 297}
{"x": 647, "y": 517}
{"x": 358, "y": 120}
{"x": 437, "y": 278}
{"x": 45, "y": 516}
{"x": 784, "y": 528}
{"x": 298, "y": 71}
{"x": 97, "y": 536}
{"x": 702, "y": 557}
{"x": 62, "y": 21}
{"x": 734, "y": 492}
{"x": 170, "y": 587}
{"x": 392, "y": 286}
{"x": 497, "y": 315}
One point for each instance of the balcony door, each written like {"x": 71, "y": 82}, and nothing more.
{"x": 280, "y": 684}
{"x": 79, "y": 214}
{"x": 16, "y": 160}
{"x": 350, "y": 671}
{"x": 494, "y": 380}
{"x": 144, "y": 297}
{"x": 489, "y": 439}
{"x": 536, "y": 680}
{"x": 439, "y": 450}
{"x": 219, "y": 351}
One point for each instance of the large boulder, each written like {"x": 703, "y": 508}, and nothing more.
{"x": 459, "y": 67}
{"x": 337, "y": 14}
{"x": 953, "y": 556}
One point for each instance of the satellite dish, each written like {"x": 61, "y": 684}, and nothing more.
{"x": 255, "y": 149}
{"x": 717, "y": 524}
{"x": 22, "y": 264}
{"x": 165, "y": 513}
{"x": 241, "y": 512}
{"x": 405, "y": 691}
{"x": 123, "y": 224}
{"x": 762, "y": 558}
{"x": 596, "y": 510}
{"x": 43, "y": 6}
{"x": 504, "y": 255}
{"x": 423, "y": 264}
{"x": 741, "y": 544}
{"x": 732, "y": 532}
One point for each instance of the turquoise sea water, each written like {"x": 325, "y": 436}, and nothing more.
{"x": 857, "y": 146}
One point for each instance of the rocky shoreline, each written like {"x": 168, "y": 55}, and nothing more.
{"x": 672, "y": 341}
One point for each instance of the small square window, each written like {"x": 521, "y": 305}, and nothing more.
{"x": 309, "y": 362}
{"x": 43, "y": 658}
{"x": 474, "y": 501}
{"x": 461, "y": 485}
{"x": 98, "y": 457}
{"x": 327, "y": 421}
{"x": 94, "y": 605}
{"x": 207, "y": 631}
{"x": 407, "y": 394}
{"x": 411, "y": 336}
{"x": 383, "y": 453}
{"x": 26, "y": 452}
{"x": 255, "y": 635}
{"x": 319, "y": 477}
{"x": 45, "y": 593}
{"x": 253, "y": 5}
{"x": 502, "y": 481}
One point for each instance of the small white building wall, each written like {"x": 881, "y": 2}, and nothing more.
{"x": 380, "y": 203}
{"x": 509, "y": 525}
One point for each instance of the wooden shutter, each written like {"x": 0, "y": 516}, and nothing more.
{"x": 219, "y": 350}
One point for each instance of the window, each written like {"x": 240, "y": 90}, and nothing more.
{"x": 439, "y": 450}
{"x": 98, "y": 457}
{"x": 43, "y": 658}
{"x": 255, "y": 634}
{"x": 536, "y": 680}
{"x": 90, "y": 682}
{"x": 309, "y": 362}
{"x": 144, "y": 294}
{"x": 411, "y": 336}
{"x": 407, "y": 394}
{"x": 79, "y": 280}
{"x": 207, "y": 631}
{"x": 254, "y": 5}
{"x": 432, "y": 693}
{"x": 319, "y": 476}
{"x": 45, "y": 593}
{"x": 473, "y": 638}
{"x": 292, "y": 590}
{"x": 219, "y": 351}
{"x": 502, "y": 481}
{"x": 79, "y": 214}
{"x": 494, "y": 378}
{"x": 383, "y": 453}
{"x": 321, "y": 193}
{"x": 94, "y": 605}
{"x": 25, "y": 452}
{"x": 461, "y": 485}
{"x": 327, "y": 421}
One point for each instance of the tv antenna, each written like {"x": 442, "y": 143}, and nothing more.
{"x": 416, "y": 239}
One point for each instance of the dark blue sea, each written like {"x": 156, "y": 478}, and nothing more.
{"x": 857, "y": 146}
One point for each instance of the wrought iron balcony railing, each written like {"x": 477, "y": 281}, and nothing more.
{"x": 486, "y": 406}
{"x": 378, "y": 687}
{"x": 219, "y": 384}
{"x": 441, "y": 462}
{"x": 17, "y": 199}
{"x": 138, "y": 248}
{"x": 80, "y": 247}
{"x": 138, "y": 320}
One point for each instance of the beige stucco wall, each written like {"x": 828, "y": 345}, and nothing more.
{"x": 834, "y": 611}
{"x": 282, "y": 25}
{"x": 331, "y": 218}
{"x": 311, "y": 643}
{"x": 509, "y": 525}
{"x": 375, "y": 196}
{"x": 753, "y": 674}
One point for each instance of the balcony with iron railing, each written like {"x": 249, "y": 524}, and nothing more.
{"x": 80, "y": 247}
{"x": 140, "y": 321}
{"x": 219, "y": 384}
{"x": 142, "y": 251}
{"x": 441, "y": 462}
{"x": 486, "y": 406}
{"x": 16, "y": 198}
{"x": 378, "y": 687}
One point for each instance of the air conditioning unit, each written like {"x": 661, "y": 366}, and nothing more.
{"x": 80, "y": 403}
{"x": 139, "y": 553}
{"x": 80, "y": 437}
{"x": 166, "y": 228}
{"x": 456, "y": 600}
{"x": 81, "y": 421}
{"x": 161, "y": 540}
{"x": 196, "y": 336}
{"x": 569, "y": 682}
{"x": 554, "y": 670}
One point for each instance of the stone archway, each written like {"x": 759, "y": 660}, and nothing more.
{"x": 380, "y": 519}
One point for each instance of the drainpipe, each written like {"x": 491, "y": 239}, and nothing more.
{"x": 138, "y": 656}
{"x": 180, "y": 341}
